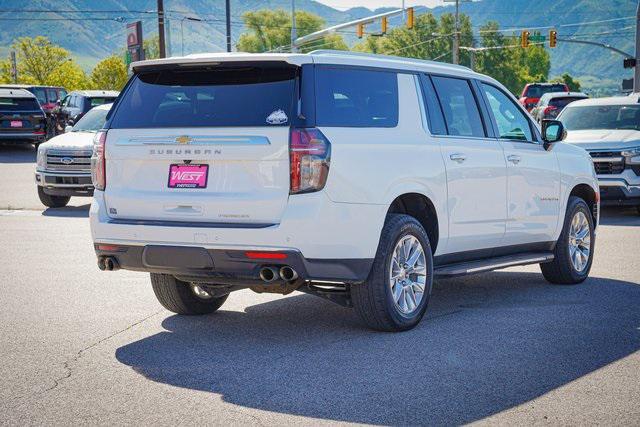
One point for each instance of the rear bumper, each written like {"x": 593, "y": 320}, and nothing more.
{"x": 230, "y": 267}
{"x": 65, "y": 184}
{"x": 326, "y": 240}
{"x": 21, "y": 136}
{"x": 618, "y": 191}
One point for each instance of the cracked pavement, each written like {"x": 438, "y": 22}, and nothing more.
{"x": 83, "y": 346}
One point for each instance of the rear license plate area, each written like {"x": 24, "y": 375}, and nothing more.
{"x": 15, "y": 123}
{"x": 188, "y": 176}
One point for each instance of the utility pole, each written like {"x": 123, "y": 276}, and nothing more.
{"x": 294, "y": 32}
{"x": 456, "y": 37}
{"x": 14, "y": 67}
{"x": 163, "y": 51}
{"x": 636, "y": 69}
{"x": 228, "y": 8}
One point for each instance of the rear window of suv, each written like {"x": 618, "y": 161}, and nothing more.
{"x": 19, "y": 104}
{"x": 536, "y": 91}
{"x": 208, "y": 96}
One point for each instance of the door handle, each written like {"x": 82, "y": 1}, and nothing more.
{"x": 458, "y": 157}
{"x": 513, "y": 159}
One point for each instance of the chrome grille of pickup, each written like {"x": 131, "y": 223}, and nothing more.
{"x": 608, "y": 162}
{"x": 69, "y": 160}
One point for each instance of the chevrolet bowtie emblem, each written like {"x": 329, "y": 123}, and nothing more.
{"x": 184, "y": 139}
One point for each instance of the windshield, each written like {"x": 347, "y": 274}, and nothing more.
{"x": 538, "y": 91}
{"x": 93, "y": 121}
{"x": 19, "y": 104}
{"x": 601, "y": 117}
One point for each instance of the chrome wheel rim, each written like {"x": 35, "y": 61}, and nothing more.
{"x": 579, "y": 242}
{"x": 408, "y": 275}
{"x": 199, "y": 292}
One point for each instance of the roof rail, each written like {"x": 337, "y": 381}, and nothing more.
{"x": 382, "y": 56}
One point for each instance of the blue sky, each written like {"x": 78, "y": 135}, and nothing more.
{"x": 374, "y": 4}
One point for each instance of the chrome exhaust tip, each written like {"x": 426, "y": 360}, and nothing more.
{"x": 268, "y": 274}
{"x": 288, "y": 274}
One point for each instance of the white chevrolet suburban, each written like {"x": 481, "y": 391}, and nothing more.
{"x": 357, "y": 178}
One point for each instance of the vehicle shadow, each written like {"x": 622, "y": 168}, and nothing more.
{"x": 81, "y": 211}
{"x": 619, "y": 216}
{"x": 489, "y": 343}
{"x": 18, "y": 153}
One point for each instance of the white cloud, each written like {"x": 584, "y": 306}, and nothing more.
{"x": 374, "y": 4}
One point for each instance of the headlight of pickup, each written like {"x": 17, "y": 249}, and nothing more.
{"x": 41, "y": 159}
{"x": 632, "y": 155}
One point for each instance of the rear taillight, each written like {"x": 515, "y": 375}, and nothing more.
{"x": 98, "y": 162}
{"x": 309, "y": 156}
{"x": 549, "y": 109}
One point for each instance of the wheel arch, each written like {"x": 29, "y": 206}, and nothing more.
{"x": 421, "y": 208}
{"x": 591, "y": 197}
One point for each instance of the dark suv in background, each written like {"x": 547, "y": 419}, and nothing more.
{"x": 532, "y": 93}
{"x": 21, "y": 117}
{"x": 48, "y": 97}
{"x": 77, "y": 103}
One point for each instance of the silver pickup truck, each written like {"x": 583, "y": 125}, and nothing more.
{"x": 64, "y": 162}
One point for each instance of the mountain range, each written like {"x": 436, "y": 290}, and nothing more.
{"x": 92, "y": 30}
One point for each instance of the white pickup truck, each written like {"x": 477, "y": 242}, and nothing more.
{"x": 357, "y": 178}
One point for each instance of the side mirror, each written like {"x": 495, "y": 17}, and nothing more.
{"x": 552, "y": 131}
{"x": 70, "y": 122}
{"x": 58, "y": 102}
{"x": 68, "y": 128}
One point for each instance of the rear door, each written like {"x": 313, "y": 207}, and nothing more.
{"x": 476, "y": 170}
{"x": 533, "y": 172}
{"x": 194, "y": 144}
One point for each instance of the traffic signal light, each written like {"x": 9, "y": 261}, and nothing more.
{"x": 410, "y": 18}
{"x": 553, "y": 38}
{"x": 384, "y": 25}
{"x": 360, "y": 30}
{"x": 524, "y": 39}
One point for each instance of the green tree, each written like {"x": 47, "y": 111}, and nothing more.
{"x": 37, "y": 58}
{"x": 5, "y": 72}
{"x": 573, "y": 84}
{"x": 110, "y": 73}
{"x": 70, "y": 76}
{"x": 271, "y": 29}
{"x": 151, "y": 47}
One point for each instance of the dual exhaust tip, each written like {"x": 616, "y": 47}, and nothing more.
{"x": 108, "y": 263}
{"x": 271, "y": 274}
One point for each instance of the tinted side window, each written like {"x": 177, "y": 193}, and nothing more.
{"x": 434, "y": 112}
{"x": 511, "y": 121}
{"x": 356, "y": 98}
{"x": 459, "y": 106}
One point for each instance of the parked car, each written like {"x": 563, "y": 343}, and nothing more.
{"x": 21, "y": 117}
{"x": 552, "y": 103}
{"x": 77, "y": 103}
{"x": 357, "y": 178}
{"x": 532, "y": 93}
{"x": 48, "y": 97}
{"x": 63, "y": 166}
{"x": 609, "y": 129}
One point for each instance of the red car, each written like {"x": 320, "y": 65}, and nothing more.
{"x": 532, "y": 93}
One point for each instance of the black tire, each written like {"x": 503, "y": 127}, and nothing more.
{"x": 177, "y": 296}
{"x": 52, "y": 201}
{"x": 373, "y": 299}
{"x": 561, "y": 270}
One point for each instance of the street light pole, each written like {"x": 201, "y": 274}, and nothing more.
{"x": 294, "y": 34}
{"x": 228, "y": 8}
{"x": 162, "y": 48}
{"x": 456, "y": 37}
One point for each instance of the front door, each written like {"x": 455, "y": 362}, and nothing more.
{"x": 533, "y": 189}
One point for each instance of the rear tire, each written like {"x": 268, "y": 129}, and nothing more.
{"x": 570, "y": 265}
{"x": 52, "y": 201}
{"x": 181, "y": 298}
{"x": 390, "y": 299}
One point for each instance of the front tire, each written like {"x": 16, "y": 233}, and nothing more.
{"x": 52, "y": 201}
{"x": 574, "y": 249}
{"x": 396, "y": 293}
{"x": 183, "y": 297}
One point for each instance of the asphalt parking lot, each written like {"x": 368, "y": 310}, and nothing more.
{"x": 83, "y": 346}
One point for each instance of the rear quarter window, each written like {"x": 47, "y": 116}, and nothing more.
{"x": 350, "y": 97}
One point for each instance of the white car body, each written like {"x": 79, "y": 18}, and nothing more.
{"x": 612, "y": 151}
{"x": 491, "y": 196}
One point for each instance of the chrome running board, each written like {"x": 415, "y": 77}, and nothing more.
{"x": 489, "y": 264}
